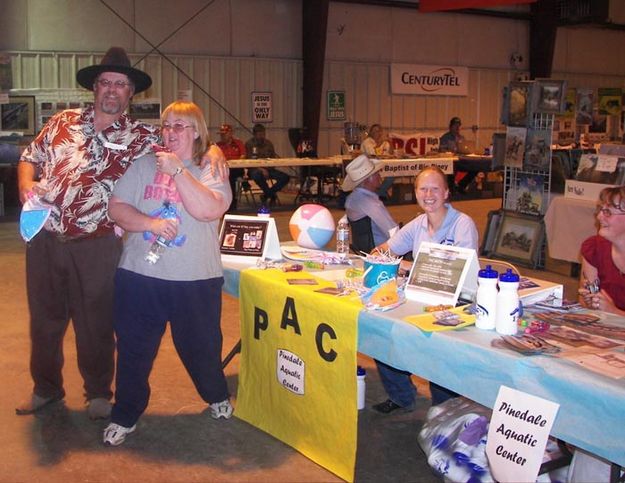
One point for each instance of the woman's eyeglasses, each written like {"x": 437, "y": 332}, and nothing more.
{"x": 177, "y": 128}
{"x": 607, "y": 212}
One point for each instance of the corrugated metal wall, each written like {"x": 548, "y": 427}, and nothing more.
{"x": 231, "y": 80}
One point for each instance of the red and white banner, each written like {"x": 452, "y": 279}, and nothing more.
{"x": 414, "y": 144}
{"x": 439, "y": 5}
{"x": 429, "y": 80}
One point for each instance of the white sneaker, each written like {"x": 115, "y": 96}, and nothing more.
{"x": 114, "y": 434}
{"x": 221, "y": 409}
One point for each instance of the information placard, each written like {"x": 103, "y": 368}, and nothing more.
{"x": 441, "y": 273}
{"x": 248, "y": 238}
{"x": 262, "y": 107}
{"x": 517, "y": 435}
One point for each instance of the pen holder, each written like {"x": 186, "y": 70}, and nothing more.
{"x": 376, "y": 273}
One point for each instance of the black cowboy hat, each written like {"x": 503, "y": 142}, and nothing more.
{"x": 115, "y": 60}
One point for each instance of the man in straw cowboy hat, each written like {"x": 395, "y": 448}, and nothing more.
{"x": 363, "y": 179}
{"x": 73, "y": 164}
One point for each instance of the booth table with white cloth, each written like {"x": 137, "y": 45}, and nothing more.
{"x": 568, "y": 222}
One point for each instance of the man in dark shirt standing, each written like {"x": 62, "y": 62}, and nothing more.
{"x": 261, "y": 147}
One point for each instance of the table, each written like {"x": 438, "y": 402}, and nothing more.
{"x": 592, "y": 407}
{"x": 568, "y": 222}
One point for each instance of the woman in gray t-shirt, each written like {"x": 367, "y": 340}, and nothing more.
{"x": 170, "y": 268}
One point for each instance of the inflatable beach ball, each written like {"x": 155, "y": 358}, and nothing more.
{"x": 312, "y": 226}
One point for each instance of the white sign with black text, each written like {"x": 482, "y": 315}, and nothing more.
{"x": 262, "y": 107}
{"x": 517, "y": 436}
{"x": 429, "y": 80}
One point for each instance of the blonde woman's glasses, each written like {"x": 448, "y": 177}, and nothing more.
{"x": 177, "y": 128}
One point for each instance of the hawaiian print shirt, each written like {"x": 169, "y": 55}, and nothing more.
{"x": 81, "y": 166}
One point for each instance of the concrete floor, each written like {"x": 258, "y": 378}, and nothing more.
{"x": 176, "y": 440}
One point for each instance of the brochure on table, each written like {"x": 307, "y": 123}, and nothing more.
{"x": 249, "y": 238}
{"x": 441, "y": 274}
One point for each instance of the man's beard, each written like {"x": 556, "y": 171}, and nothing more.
{"x": 111, "y": 106}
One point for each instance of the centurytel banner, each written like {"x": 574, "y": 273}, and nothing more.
{"x": 429, "y": 80}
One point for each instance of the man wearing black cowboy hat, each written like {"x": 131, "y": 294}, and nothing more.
{"x": 72, "y": 165}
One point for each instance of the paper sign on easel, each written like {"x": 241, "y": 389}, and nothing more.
{"x": 518, "y": 433}
{"x": 441, "y": 274}
{"x": 248, "y": 238}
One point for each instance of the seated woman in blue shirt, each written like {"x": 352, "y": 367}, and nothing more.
{"x": 440, "y": 223}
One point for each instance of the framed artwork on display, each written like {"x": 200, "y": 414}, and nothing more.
{"x": 549, "y": 96}
{"x": 492, "y": 227}
{"x": 515, "y": 146}
{"x": 537, "y": 150}
{"x": 18, "y": 115}
{"x": 519, "y": 99}
{"x": 519, "y": 238}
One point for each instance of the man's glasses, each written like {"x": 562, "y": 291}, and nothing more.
{"x": 118, "y": 84}
{"x": 607, "y": 212}
{"x": 177, "y": 128}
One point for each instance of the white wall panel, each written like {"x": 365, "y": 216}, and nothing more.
{"x": 228, "y": 80}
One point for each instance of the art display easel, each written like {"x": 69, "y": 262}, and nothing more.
{"x": 516, "y": 233}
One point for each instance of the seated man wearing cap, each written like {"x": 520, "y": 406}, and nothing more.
{"x": 363, "y": 177}
{"x": 232, "y": 148}
{"x": 261, "y": 147}
{"x": 450, "y": 142}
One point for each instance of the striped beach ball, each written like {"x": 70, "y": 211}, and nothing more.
{"x": 312, "y": 226}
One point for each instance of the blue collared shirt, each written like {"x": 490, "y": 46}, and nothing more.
{"x": 360, "y": 203}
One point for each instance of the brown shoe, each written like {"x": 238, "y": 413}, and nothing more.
{"x": 36, "y": 403}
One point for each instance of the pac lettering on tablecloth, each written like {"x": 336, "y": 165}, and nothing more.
{"x": 298, "y": 364}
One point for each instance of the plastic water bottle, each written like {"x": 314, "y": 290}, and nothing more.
{"x": 486, "y": 299}
{"x": 161, "y": 243}
{"x": 156, "y": 250}
{"x": 342, "y": 237}
{"x": 263, "y": 212}
{"x": 361, "y": 373}
{"x": 508, "y": 304}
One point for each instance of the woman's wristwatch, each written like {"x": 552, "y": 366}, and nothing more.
{"x": 179, "y": 170}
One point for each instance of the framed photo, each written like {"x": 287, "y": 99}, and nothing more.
{"x": 519, "y": 103}
{"x": 537, "y": 150}
{"x": 519, "y": 238}
{"x": 549, "y": 96}
{"x": 147, "y": 111}
{"x": 492, "y": 227}
{"x": 18, "y": 115}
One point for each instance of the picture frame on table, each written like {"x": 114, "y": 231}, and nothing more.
{"x": 18, "y": 115}
{"x": 549, "y": 96}
{"x": 490, "y": 235}
{"x": 519, "y": 238}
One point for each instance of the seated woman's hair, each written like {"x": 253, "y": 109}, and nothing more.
{"x": 613, "y": 197}
{"x": 190, "y": 112}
